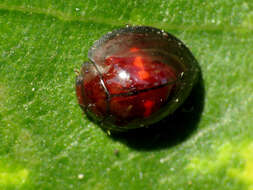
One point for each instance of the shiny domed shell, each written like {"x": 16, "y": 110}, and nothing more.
{"x": 135, "y": 77}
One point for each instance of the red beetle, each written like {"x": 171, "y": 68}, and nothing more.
{"x": 135, "y": 76}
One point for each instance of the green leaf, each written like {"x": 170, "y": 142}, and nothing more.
{"x": 47, "y": 143}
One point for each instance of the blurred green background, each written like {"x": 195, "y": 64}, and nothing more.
{"x": 47, "y": 143}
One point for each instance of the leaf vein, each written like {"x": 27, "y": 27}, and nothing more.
{"x": 113, "y": 22}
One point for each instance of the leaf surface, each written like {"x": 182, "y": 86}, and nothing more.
{"x": 47, "y": 143}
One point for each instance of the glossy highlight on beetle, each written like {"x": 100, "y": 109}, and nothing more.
{"x": 135, "y": 77}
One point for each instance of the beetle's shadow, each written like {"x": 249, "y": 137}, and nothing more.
{"x": 172, "y": 130}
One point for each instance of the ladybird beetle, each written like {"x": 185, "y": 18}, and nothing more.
{"x": 135, "y": 77}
